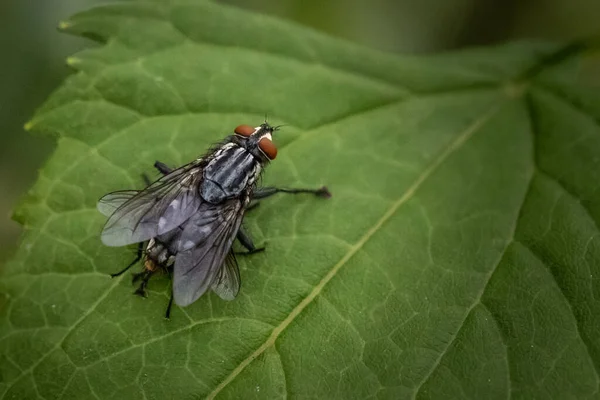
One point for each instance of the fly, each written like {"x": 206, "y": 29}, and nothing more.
{"x": 190, "y": 217}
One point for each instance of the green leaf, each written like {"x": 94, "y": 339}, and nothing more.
{"x": 459, "y": 256}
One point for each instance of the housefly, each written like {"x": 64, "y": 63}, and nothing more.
{"x": 190, "y": 217}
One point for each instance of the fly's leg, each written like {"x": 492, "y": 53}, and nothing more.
{"x": 145, "y": 277}
{"x": 162, "y": 168}
{"x": 141, "y": 290}
{"x": 137, "y": 276}
{"x": 246, "y": 241}
{"x": 263, "y": 193}
{"x": 146, "y": 180}
{"x": 168, "y": 312}
{"x": 252, "y": 205}
{"x": 138, "y": 257}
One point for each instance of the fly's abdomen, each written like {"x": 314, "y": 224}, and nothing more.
{"x": 157, "y": 252}
{"x": 231, "y": 170}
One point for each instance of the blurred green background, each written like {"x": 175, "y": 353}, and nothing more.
{"x": 34, "y": 53}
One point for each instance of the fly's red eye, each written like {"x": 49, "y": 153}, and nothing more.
{"x": 268, "y": 148}
{"x": 244, "y": 130}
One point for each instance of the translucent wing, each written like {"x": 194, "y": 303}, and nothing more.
{"x": 227, "y": 282}
{"x": 204, "y": 244}
{"x": 108, "y": 204}
{"x": 159, "y": 208}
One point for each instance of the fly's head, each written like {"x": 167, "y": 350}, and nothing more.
{"x": 258, "y": 141}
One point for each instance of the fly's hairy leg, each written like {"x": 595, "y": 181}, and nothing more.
{"x": 263, "y": 193}
{"x": 252, "y": 205}
{"x": 145, "y": 277}
{"x": 162, "y": 168}
{"x": 268, "y": 191}
{"x": 138, "y": 257}
{"x": 146, "y": 180}
{"x": 169, "y": 271}
{"x": 168, "y": 312}
{"x": 246, "y": 241}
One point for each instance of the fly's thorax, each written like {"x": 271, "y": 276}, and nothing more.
{"x": 231, "y": 171}
{"x": 234, "y": 167}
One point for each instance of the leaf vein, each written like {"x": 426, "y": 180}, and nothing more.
{"x": 476, "y": 301}
{"x": 494, "y": 319}
{"x": 60, "y": 342}
{"x": 586, "y": 342}
{"x": 283, "y": 373}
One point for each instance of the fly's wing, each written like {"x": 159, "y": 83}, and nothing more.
{"x": 159, "y": 208}
{"x": 171, "y": 239}
{"x": 227, "y": 283}
{"x": 204, "y": 244}
{"x": 109, "y": 203}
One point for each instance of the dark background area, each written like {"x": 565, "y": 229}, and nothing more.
{"x": 34, "y": 53}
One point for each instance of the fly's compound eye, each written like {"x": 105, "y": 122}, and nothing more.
{"x": 268, "y": 147}
{"x": 244, "y": 130}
